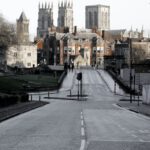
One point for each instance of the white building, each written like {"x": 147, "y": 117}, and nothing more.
{"x": 23, "y": 54}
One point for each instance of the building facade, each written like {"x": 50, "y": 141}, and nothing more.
{"x": 79, "y": 48}
{"x": 97, "y": 16}
{"x": 23, "y": 29}
{"x": 45, "y": 19}
{"x": 24, "y": 53}
{"x": 65, "y": 15}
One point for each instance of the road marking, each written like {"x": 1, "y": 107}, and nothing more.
{"x": 82, "y": 132}
{"x": 141, "y": 140}
{"x": 82, "y": 147}
{"x": 82, "y": 123}
{"x": 134, "y": 135}
{"x": 83, "y": 141}
{"x": 81, "y": 117}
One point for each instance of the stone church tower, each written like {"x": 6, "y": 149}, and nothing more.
{"x": 23, "y": 29}
{"x": 97, "y": 16}
{"x": 45, "y": 19}
{"x": 65, "y": 15}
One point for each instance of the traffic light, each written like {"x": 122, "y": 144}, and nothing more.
{"x": 79, "y": 76}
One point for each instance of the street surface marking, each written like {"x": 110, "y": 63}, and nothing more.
{"x": 134, "y": 135}
{"x": 82, "y": 123}
{"x": 82, "y": 145}
{"x": 82, "y": 132}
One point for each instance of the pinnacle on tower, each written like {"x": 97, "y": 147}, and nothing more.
{"x": 65, "y": 3}
{"x": 69, "y": 4}
{"x": 45, "y": 5}
{"x": 39, "y": 5}
{"x": 61, "y": 3}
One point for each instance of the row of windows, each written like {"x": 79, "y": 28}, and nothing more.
{"x": 28, "y": 54}
{"x": 93, "y": 19}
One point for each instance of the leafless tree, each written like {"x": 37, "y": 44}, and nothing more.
{"x": 7, "y": 33}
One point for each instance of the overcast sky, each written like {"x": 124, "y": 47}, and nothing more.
{"x": 123, "y": 13}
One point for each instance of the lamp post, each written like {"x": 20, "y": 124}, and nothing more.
{"x": 131, "y": 78}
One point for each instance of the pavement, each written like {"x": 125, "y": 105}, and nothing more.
{"x": 17, "y": 109}
{"x": 141, "y": 108}
{"x": 95, "y": 124}
{"x": 125, "y": 101}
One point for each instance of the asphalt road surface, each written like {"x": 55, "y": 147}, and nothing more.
{"x": 95, "y": 124}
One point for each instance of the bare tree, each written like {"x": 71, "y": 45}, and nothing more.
{"x": 139, "y": 53}
{"x": 7, "y": 33}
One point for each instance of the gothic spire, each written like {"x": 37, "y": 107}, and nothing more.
{"x": 61, "y": 3}
{"x": 45, "y": 5}
{"x": 71, "y": 3}
{"x": 65, "y": 3}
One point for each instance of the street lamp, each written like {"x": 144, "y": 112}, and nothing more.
{"x": 131, "y": 78}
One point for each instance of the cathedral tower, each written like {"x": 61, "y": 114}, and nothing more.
{"x": 23, "y": 29}
{"x": 65, "y": 15}
{"x": 45, "y": 19}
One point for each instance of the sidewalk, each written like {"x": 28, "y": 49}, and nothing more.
{"x": 142, "y": 108}
{"x": 14, "y": 110}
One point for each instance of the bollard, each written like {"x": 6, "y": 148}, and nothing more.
{"x": 48, "y": 94}
{"x": 31, "y": 97}
{"x": 39, "y": 97}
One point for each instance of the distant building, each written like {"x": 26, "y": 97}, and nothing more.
{"x": 80, "y": 48}
{"x": 45, "y": 19}
{"x": 65, "y": 15}
{"x": 24, "y": 53}
{"x": 23, "y": 29}
{"x": 97, "y": 16}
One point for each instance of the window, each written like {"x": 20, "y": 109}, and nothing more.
{"x": 28, "y": 64}
{"x": 15, "y": 54}
{"x": 29, "y": 54}
{"x": 90, "y": 19}
{"x": 43, "y": 22}
{"x": 95, "y": 19}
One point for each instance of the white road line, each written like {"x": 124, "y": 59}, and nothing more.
{"x": 134, "y": 135}
{"x": 81, "y": 117}
{"x": 141, "y": 140}
{"x": 82, "y": 132}
{"x": 82, "y": 147}
{"x": 81, "y": 113}
{"x": 82, "y": 123}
